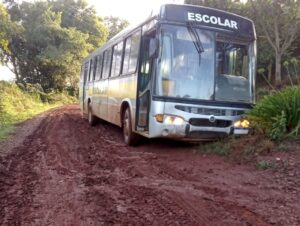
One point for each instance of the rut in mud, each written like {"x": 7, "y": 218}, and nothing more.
{"x": 67, "y": 173}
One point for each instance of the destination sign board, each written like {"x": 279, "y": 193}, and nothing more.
{"x": 208, "y": 17}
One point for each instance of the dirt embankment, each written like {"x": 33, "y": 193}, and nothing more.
{"x": 66, "y": 173}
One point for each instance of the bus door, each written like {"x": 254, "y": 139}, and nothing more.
{"x": 144, "y": 87}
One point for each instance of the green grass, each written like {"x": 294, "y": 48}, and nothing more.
{"x": 5, "y": 131}
{"x": 221, "y": 147}
{"x": 278, "y": 115}
{"x": 18, "y": 105}
{"x": 264, "y": 165}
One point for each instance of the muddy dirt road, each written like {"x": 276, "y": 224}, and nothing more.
{"x": 67, "y": 173}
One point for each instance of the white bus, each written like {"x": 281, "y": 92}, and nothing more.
{"x": 187, "y": 73}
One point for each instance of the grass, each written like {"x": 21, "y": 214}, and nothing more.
{"x": 5, "y": 131}
{"x": 264, "y": 165}
{"x": 240, "y": 149}
{"x": 278, "y": 115}
{"x": 221, "y": 147}
{"x": 18, "y": 105}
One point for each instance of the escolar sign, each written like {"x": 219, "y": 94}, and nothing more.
{"x": 212, "y": 20}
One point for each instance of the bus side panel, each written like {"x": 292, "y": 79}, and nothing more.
{"x": 121, "y": 88}
{"x": 100, "y": 99}
{"x": 81, "y": 96}
{"x": 96, "y": 99}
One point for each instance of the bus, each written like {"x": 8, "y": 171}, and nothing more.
{"x": 186, "y": 73}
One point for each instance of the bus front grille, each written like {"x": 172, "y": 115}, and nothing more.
{"x": 210, "y": 111}
{"x": 206, "y": 123}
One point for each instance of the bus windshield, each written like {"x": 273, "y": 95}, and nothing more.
{"x": 220, "y": 71}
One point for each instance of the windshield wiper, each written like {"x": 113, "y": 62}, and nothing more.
{"x": 196, "y": 40}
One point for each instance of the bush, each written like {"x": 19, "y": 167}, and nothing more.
{"x": 20, "y": 102}
{"x": 278, "y": 115}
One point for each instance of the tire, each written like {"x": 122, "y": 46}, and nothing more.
{"x": 91, "y": 118}
{"x": 130, "y": 138}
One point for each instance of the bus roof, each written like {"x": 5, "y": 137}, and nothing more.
{"x": 209, "y": 17}
{"x": 197, "y": 15}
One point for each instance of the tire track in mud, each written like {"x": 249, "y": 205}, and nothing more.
{"x": 67, "y": 173}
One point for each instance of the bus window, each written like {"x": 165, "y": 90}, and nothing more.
{"x": 117, "y": 59}
{"x": 106, "y": 64}
{"x": 99, "y": 67}
{"x": 232, "y": 66}
{"x": 131, "y": 53}
{"x": 165, "y": 67}
{"x": 86, "y": 70}
{"x": 91, "y": 71}
{"x": 95, "y": 61}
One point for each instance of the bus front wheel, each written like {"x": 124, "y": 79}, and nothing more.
{"x": 91, "y": 118}
{"x": 130, "y": 138}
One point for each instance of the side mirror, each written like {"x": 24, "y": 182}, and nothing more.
{"x": 153, "y": 47}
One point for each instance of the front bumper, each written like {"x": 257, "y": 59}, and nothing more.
{"x": 190, "y": 132}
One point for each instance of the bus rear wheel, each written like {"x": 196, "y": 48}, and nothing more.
{"x": 130, "y": 138}
{"x": 91, "y": 118}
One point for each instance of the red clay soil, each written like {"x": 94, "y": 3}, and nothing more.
{"x": 67, "y": 173}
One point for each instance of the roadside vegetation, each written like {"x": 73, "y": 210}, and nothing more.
{"x": 19, "y": 104}
{"x": 278, "y": 115}
{"x": 275, "y": 122}
{"x": 43, "y": 43}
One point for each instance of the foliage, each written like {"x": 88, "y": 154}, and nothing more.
{"x": 264, "y": 165}
{"x": 55, "y": 37}
{"x": 279, "y": 23}
{"x": 7, "y": 28}
{"x": 292, "y": 69}
{"x": 279, "y": 114}
{"x": 17, "y": 105}
{"x": 221, "y": 147}
{"x": 5, "y": 131}
{"x": 115, "y": 25}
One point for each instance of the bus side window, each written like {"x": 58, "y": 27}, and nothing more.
{"x": 131, "y": 53}
{"x": 117, "y": 59}
{"x": 82, "y": 73}
{"x": 95, "y": 61}
{"x": 99, "y": 67}
{"x": 86, "y": 70}
{"x": 106, "y": 63}
{"x": 91, "y": 70}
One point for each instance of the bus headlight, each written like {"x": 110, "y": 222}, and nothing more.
{"x": 173, "y": 120}
{"x": 169, "y": 120}
{"x": 242, "y": 123}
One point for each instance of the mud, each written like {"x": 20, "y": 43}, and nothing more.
{"x": 67, "y": 173}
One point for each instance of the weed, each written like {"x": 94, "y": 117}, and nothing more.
{"x": 18, "y": 104}
{"x": 278, "y": 115}
{"x": 218, "y": 147}
{"x": 283, "y": 147}
{"x": 264, "y": 165}
{"x": 5, "y": 131}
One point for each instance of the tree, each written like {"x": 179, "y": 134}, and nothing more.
{"x": 227, "y": 5}
{"x": 77, "y": 14}
{"x": 115, "y": 25}
{"x": 279, "y": 22}
{"x": 7, "y": 29}
{"x": 56, "y": 36}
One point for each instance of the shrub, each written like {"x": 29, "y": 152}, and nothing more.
{"x": 278, "y": 115}
{"x": 221, "y": 147}
{"x": 264, "y": 165}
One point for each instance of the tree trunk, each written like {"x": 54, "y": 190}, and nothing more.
{"x": 278, "y": 70}
{"x": 270, "y": 72}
